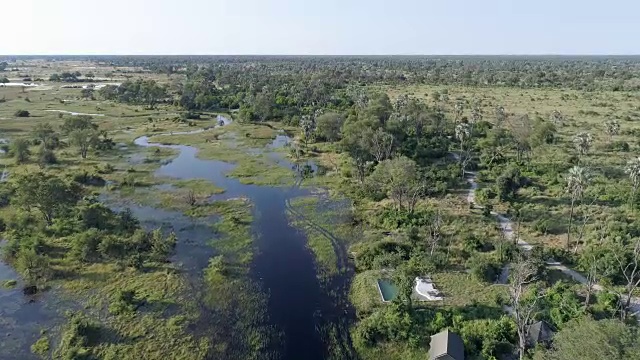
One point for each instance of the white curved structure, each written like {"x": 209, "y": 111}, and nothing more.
{"x": 424, "y": 287}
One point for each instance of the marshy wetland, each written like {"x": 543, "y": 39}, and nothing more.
{"x": 190, "y": 208}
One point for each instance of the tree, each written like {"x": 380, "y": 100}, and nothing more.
{"x": 434, "y": 236}
{"x": 3, "y": 65}
{"x": 80, "y": 122}
{"x": 46, "y": 193}
{"x": 87, "y": 93}
{"x": 20, "y": 150}
{"x": 592, "y": 261}
{"x": 612, "y": 127}
{"x": 83, "y": 139}
{"x": 46, "y": 157}
{"x": 463, "y": 133}
{"x": 379, "y": 107}
{"x": 381, "y": 145}
{"x": 589, "y": 339}
{"x": 33, "y": 266}
{"x": 633, "y": 170}
{"x": 501, "y": 116}
{"x": 582, "y": 141}
{"x": 458, "y": 110}
{"x": 46, "y": 135}
{"x": 628, "y": 259}
{"x": 84, "y": 245}
{"x": 308, "y": 127}
{"x": 356, "y": 137}
{"x": 577, "y": 182}
{"x": 328, "y": 126}
{"x": 262, "y": 105}
{"x": 523, "y": 304}
{"x": 476, "y": 114}
{"x": 522, "y": 129}
{"x": 508, "y": 183}
{"x": 400, "y": 179}
{"x": 543, "y": 133}
{"x": 4, "y": 80}
{"x": 161, "y": 247}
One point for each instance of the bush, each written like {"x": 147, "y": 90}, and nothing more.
{"x": 107, "y": 169}
{"x": 190, "y": 115}
{"x": 471, "y": 243}
{"x": 47, "y": 157}
{"x": 618, "y": 146}
{"x": 21, "y": 113}
{"x": 125, "y": 302}
{"x": 41, "y": 347}
{"x": 484, "y": 267}
{"x": 79, "y": 334}
{"x": 84, "y": 246}
{"x": 484, "y": 195}
{"x": 89, "y": 179}
{"x": 541, "y": 226}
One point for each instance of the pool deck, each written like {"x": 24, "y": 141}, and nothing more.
{"x": 415, "y": 295}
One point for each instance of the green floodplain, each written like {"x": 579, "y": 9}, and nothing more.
{"x": 186, "y": 208}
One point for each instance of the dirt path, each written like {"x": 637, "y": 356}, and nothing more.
{"x": 507, "y": 229}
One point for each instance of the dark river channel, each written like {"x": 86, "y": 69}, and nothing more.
{"x": 298, "y": 306}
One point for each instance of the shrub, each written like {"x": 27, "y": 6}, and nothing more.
{"x": 618, "y": 146}
{"x": 79, "y": 334}
{"x": 47, "y": 157}
{"x": 21, "y": 113}
{"x": 41, "y": 347}
{"x": 471, "y": 243}
{"x": 541, "y": 226}
{"x": 86, "y": 178}
{"x": 125, "y": 302}
{"x": 84, "y": 246}
{"x": 484, "y": 267}
{"x": 107, "y": 169}
{"x": 189, "y": 115}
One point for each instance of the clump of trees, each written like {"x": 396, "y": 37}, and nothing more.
{"x": 78, "y": 131}
{"x": 50, "y": 208}
{"x": 66, "y": 77}
{"x": 139, "y": 92}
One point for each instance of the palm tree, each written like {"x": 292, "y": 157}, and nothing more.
{"x": 501, "y": 116}
{"x": 633, "y": 170}
{"x": 612, "y": 128}
{"x": 463, "y": 133}
{"x": 476, "y": 114}
{"x": 577, "y": 182}
{"x": 582, "y": 142}
{"x": 459, "y": 109}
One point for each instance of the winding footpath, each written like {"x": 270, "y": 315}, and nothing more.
{"x": 507, "y": 229}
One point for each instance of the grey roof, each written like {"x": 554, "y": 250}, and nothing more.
{"x": 539, "y": 332}
{"x": 446, "y": 343}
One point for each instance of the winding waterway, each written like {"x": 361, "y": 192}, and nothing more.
{"x": 298, "y": 306}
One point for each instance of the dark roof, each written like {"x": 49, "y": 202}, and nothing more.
{"x": 446, "y": 343}
{"x": 539, "y": 332}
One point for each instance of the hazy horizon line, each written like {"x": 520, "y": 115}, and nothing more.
{"x": 326, "y": 55}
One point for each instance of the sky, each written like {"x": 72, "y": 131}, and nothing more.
{"x": 319, "y": 27}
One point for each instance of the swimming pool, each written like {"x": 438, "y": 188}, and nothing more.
{"x": 387, "y": 290}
